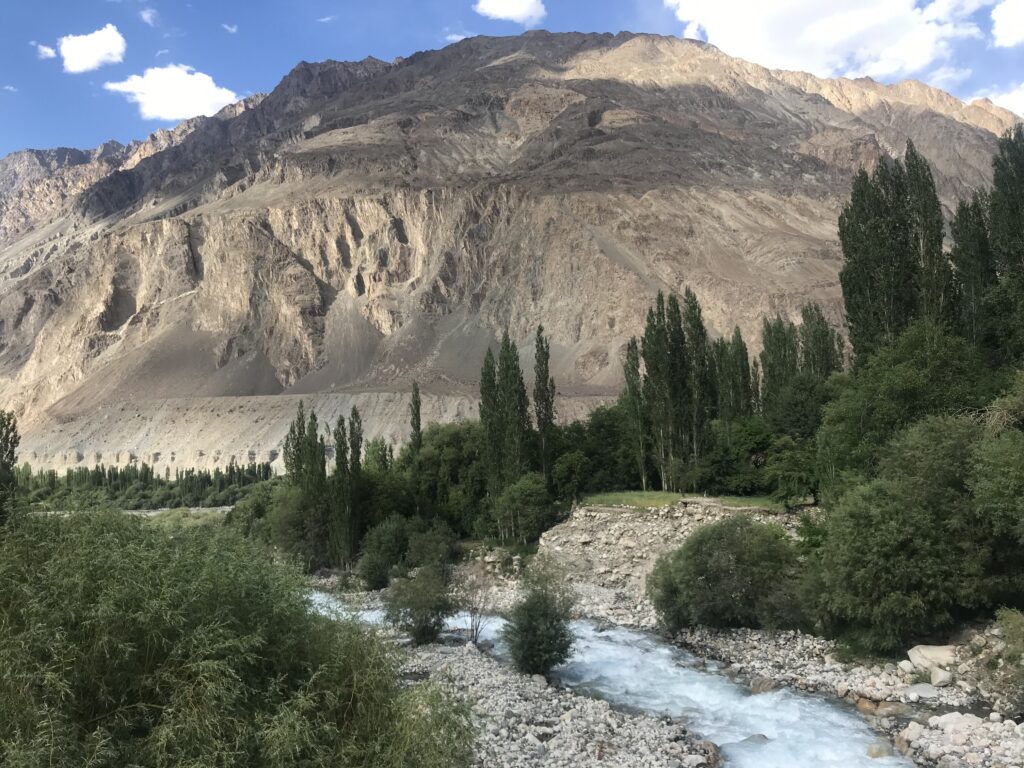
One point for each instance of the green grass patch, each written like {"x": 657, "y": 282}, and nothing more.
{"x": 641, "y": 499}
{"x": 760, "y": 502}
{"x": 174, "y": 519}
{"x": 651, "y": 499}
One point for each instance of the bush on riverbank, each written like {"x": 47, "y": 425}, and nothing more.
{"x": 123, "y": 644}
{"x": 733, "y": 573}
{"x": 419, "y": 605}
{"x": 537, "y": 632}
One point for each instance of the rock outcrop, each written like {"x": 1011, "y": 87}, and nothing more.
{"x": 367, "y": 223}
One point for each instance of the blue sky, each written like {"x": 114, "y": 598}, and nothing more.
{"x": 80, "y": 72}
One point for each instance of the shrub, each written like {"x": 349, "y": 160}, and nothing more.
{"x": 419, "y": 605}
{"x": 384, "y": 549}
{"x": 570, "y": 475}
{"x": 1009, "y": 676}
{"x": 733, "y": 573}
{"x": 538, "y": 633}
{"x": 524, "y": 511}
{"x": 249, "y": 515}
{"x": 123, "y": 645}
{"x": 905, "y": 555}
{"x": 433, "y": 547}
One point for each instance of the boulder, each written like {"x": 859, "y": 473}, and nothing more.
{"x": 907, "y": 666}
{"x": 925, "y": 657}
{"x": 940, "y": 677}
{"x": 922, "y": 691}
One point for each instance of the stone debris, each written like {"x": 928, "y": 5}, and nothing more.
{"x": 523, "y": 721}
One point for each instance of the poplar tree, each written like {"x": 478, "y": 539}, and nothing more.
{"x": 416, "y": 430}
{"x": 926, "y": 228}
{"x": 880, "y": 273}
{"x": 678, "y": 378}
{"x": 780, "y": 362}
{"x": 343, "y": 536}
{"x": 491, "y": 423}
{"x": 544, "y": 403}
{"x": 973, "y": 262}
{"x": 357, "y": 513}
{"x": 821, "y": 346}
{"x": 513, "y": 413}
{"x": 1007, "y": 203}
{"x": 701, "y": 379}
{"x": 9, "y": 441}
{"x": 657, "y": 394}
{"x": 635, "y": 411}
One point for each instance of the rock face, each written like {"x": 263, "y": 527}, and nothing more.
{"x": 366, "y": 223}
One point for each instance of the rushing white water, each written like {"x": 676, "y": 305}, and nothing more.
{"x": 643, "y": 673}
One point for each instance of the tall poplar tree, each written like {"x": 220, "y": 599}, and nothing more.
{"x": 513, "y": 410}
{"x": 544, "y": 403}
{"x": 415, "y": 426}
{"x": 635, "y": 411}
{"x": 678, "y": 378}
{"x": 973, "y": 262}
{"x": 656, "y": 387}
{"x": 343, "y": 539}
{"x": 881, "y": 268}
{"x": 780, "y": 362}
{"x": 702, "y": 375}
{"x": 821, "y": 346}
{"x": 9, "y": 440}
{"x": 926, "y": 231}
{"x": 490, "y": 420}
{"x": 1007, "y": 203}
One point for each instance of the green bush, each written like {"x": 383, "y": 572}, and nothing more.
{"x": 433, "y": 547}
{"x": 905, "y": 555}
{"x": 384, "y": 550}
{"x": 249, "y": 515}
{"x": 524, "y": 510}
{"x": 733, "y": 573}
{"x": 123, "y": 645}
{"x": 538, "y": 632}
{"x": 420, "y": 604}
{"x": 1009, "y": 676}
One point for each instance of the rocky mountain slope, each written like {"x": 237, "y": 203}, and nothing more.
{"x": 368, "y": 223}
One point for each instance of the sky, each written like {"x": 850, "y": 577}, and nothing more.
{"x": 81, "y": 72}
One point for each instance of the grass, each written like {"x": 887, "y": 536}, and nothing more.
{"x": 651, "y": 499}
{"x": 173, "y": 519}
{"x": 642, "y": 499}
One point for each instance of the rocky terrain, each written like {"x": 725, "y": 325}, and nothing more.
{"x": 608, "y": 552}
{"x": 523, "y": 721}
{"x": 367, "y": 223}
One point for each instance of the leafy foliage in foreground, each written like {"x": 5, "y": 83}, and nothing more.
{"x": 122, "y": 645}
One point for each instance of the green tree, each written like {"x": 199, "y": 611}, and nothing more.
{"x": 491, "y": 421}
{"x": 733, "y": 573}
{"x": 544, "y": 404}
{"x": 702, "y": 375}
{"x": 678, "y": 373}
{"x": 523, "y": 511}
{"x": 634, "y": 407}
{"x": 926, "y": 232}
{"x": 821, "y": 346}
{"x": 780, "y": 363}
{"x": 344, "y": 541}
{"x": 419, "y": 605}
{"x": 415, "y": 428}
{"x": 1007, "y": 203}
{"x": 538, "y": 633}
{"x": 880, "y": 273}
{"x": 973, "y": 263}
{"x": 513, "y": 409}
{"x": 657, "y": 388}
{"x": 306, "y": 462}
{"x": 9, "y": 440}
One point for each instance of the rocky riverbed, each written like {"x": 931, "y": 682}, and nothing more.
{"x": 524, "y": 721}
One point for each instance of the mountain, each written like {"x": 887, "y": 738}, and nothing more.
{"x": 367, "y": 223}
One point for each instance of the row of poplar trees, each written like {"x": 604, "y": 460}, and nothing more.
{"x": 331, "y": 510}
{"x": 897, "y": 268}
{"x": 511, "y": 446}
{"x": 679, "y": 381}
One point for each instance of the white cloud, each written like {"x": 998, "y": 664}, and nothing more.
{"x": 174, "y": 92}
{"x": 1008, "y": 23}
{"x": 161, "y": 52}
{"x": 84, "y": 53}
{"x": 148, "y": 16}
{"x": 230, "y": 28}
{"x": 43, "y": 51}
{"x": 1011, "y": 99}
{"x": 10, "y": 89}
{"x": 949, "y": 77}
{"x": 525, "y": 12}
{"x": 454, "y": 37}
{"x": 326, "y": 19}
{"x": 879, "y": 38}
